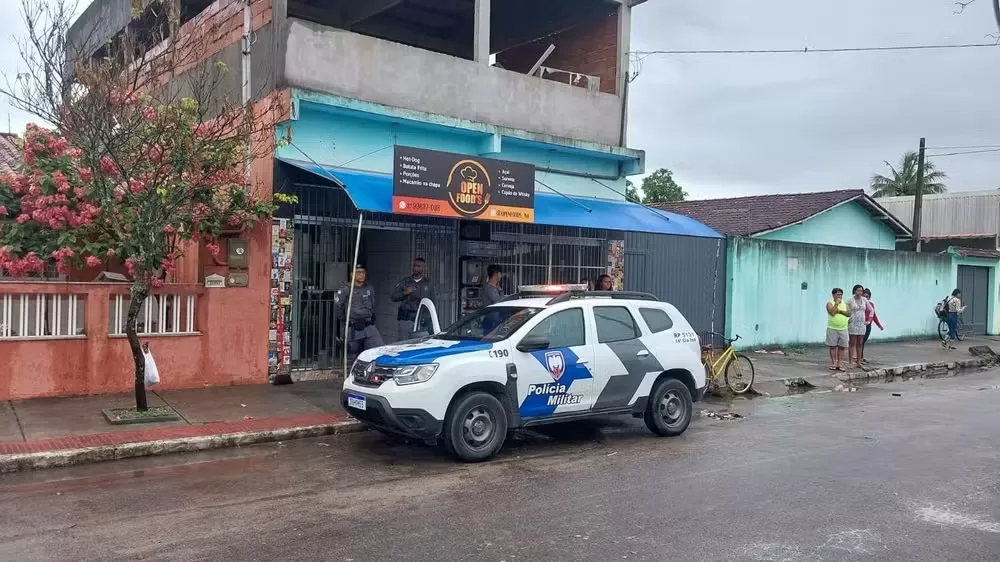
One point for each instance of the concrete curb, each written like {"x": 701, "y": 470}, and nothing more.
{"x": 784, "y": 387}
{"x": 71, "y": 457}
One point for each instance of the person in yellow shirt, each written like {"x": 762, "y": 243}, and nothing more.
{"x": 837, "y": 318}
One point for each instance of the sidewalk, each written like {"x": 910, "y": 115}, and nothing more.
{"x": 775, "y": 372}
{"x": 48, "y": 432}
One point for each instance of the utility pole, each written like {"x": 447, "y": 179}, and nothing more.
{"x": 918, "y": 201}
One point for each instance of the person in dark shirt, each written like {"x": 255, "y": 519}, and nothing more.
{"x": 491, "y": 292}
{"x": 604, "y": 283}
{"x": 362, "y": 334}
{"x": 408, "y": 293}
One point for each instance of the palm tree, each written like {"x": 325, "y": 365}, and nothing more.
{"x": 903, "y": 181}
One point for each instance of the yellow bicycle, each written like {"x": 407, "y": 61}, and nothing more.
{"x": 734, "y": 368}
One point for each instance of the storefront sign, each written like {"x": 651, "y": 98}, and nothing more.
{"x": 427, "y": 182}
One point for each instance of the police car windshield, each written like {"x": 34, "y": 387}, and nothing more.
{"x": 494, "y": 323}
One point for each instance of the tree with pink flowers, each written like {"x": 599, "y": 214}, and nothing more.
{"x": 127, "y": 172}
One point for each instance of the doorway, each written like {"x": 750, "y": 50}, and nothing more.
{"x": 974, "y": 282}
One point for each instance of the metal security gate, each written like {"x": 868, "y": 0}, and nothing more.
{"x": 686, "y": 271}
{"x": 537, "y": 254}
{"x": 324, "y": 229}
{"x": 974, "y": 282}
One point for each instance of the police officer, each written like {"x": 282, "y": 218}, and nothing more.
{"x": 362, "y": 333}
{"x": 408, "y": 293}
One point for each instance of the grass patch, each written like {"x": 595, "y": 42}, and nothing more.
{"x": 120, "y": 416}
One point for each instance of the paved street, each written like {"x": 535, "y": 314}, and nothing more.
{"x": 820, "y": 476}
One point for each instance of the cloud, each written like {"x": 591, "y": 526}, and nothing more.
{"x": 738, "y": 124}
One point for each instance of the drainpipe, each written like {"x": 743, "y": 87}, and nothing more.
{"x": 247, "y": 93}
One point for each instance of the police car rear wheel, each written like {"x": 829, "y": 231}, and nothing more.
{"x": 476, "y": 427}
{"x": 669, "y": 409}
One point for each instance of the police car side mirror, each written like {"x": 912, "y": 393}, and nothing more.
{"x": 533, "y": 343}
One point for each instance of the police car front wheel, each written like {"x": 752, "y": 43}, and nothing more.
{"x": 669, "y": 409}
{"x": 476, "y": 427}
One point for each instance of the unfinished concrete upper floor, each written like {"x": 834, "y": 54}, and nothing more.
{"x": 556, "y": 68}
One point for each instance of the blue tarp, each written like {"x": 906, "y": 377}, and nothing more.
{"x": 373, "y": 192}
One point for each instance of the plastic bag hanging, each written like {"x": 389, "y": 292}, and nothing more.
{"x": 152, "y": 373}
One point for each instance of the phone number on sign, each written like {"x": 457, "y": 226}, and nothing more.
{"x": 419, "y": 206}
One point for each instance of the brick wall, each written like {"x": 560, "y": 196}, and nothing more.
{"x": 207, "y": 34}
{"x": 588, "y": 48}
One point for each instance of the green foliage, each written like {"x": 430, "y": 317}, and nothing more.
{"x": 632, "y": 192}
{"x": 660, "y": 187}
{"x": 903, "y": 180}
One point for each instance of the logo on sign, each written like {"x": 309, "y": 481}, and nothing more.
{"x": 469, "y": 188}
{"x": 555, "y": 363}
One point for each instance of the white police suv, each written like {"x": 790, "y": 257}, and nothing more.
{"x": 546, "y": 355}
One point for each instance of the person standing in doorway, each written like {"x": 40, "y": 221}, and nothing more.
{"x": 871, "y": 317}
{"x": 362, "y": 333}
{"x": 408, "y": 293}
{"x": 604, "y": 283}
{"x": 953, "y": 308}
{"x": 491, "y": 291}
{"x": 837, "y": 318}
{"x": 857, "y": 306}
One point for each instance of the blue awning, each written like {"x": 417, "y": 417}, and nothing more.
{"x": 373, "y": 192}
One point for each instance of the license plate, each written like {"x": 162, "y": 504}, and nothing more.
{"x": 357, "y": 402}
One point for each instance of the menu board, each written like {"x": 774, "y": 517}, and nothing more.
{"x": 442, "y": 184}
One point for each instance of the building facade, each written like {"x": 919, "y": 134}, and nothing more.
{"x": 787, "y": 252}
{"x": 532, "y": 95}
{"x": 966, "y": 226}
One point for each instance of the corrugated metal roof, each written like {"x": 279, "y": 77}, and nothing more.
{"x": 958, "y": 213}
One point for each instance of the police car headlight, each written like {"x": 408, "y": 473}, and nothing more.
{"x": 414, "y": 374}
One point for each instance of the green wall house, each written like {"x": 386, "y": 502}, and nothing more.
{"x": 833, "y": 218}
{"x": 787, "y": 252}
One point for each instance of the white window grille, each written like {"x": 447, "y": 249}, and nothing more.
{"x": 159, "y": 315}
{"x": 39, "y": 316}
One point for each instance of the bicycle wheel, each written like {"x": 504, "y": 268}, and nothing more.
{"x": 943, "y": 329}
{"x": 739, "y": 374}
{"x": 960, "y": 329}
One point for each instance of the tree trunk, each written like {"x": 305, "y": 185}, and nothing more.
{"x": 139, "y": 291}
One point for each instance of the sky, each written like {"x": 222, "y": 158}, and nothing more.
{"x": 731, "y": 125}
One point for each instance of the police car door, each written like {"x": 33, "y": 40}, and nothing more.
{"x": 426, "y": 322}
{"x": 621, "y": 358}
{"x": 553, "y": 362}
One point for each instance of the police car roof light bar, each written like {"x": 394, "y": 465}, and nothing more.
{"x": 620, "y": 295}
{"x": 535, "y": 291}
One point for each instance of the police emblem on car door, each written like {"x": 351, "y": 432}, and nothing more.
{"x": 556, "y": 379}
{"x": 556, "y": 364}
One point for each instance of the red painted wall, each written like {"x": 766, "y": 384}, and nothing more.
{"x": 589, "y": 48}
{"x": 231, "y": 348}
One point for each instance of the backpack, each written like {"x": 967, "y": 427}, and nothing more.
{"x": 942, "y": 307}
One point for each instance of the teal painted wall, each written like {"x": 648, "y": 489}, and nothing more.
{"x": 363, "y": 141}
{"x": 846, "y": 225}
{"x": 768, "y": 306}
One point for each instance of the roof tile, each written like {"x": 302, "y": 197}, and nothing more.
{"x": 744, "y": 216}
{"x": 10, "y": 154}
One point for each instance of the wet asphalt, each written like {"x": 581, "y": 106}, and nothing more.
{"x": 821, "y": 476}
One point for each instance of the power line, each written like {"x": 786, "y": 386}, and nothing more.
{"x": 973, "y": 146}
{"x": 966, "y": 152}
{"x": 807, "y": 50}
